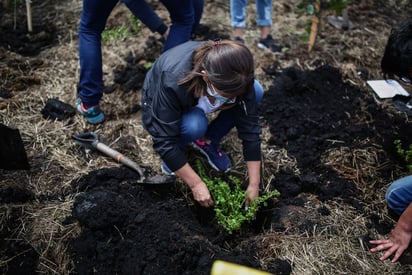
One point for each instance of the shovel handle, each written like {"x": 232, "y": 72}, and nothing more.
{"x": 119, "y": 157}
{"x": 29, "y": 16}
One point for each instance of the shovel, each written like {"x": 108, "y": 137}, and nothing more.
{"x": 90, "y": 141}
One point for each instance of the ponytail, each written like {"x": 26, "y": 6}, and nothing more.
{"x": 228, "y": 64}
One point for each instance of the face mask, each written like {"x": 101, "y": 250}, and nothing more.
{"x": 217, "y": 96}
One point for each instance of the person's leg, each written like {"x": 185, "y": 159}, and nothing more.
{"x": 264, "y": 22}
{"x": 264, "y": 16}
{"x": 264, "y": 32}
{"x": 399, "y": 194}
{"x": 238, "y": 17}
{"x": 209, "y": 146}
{"x": 92, "y": 23}
{"x": 193, "y": 129}
{"x": 194, "y": 126}
{"x": 182, "y": 14}
{"x": 198, "y": 8}
{"x": 144, "y": 12}
{"x": 224, "y": 122}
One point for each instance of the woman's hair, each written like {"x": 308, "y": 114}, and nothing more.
{"x": 397, "y": 59}
{"x": 228, "y": 65}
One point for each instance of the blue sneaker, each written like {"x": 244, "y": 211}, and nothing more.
{"x": 93, "y": 114}
{"x": 218, "y": 159}
{"x": 166, "y": 170}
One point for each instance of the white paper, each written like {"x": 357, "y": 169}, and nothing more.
{"x": 387, "y": 88}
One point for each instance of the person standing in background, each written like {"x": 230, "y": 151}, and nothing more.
{"x": 185, "y": 16}
{"x": 264, "y": 22}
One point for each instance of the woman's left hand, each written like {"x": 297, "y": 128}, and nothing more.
{"x": 396, "y": 245}
{"x": 400, "y": 238}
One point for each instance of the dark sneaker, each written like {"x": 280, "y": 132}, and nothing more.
{"x": 93, "y": 114}
{"x": 340, "y": 22}
{"x": 218, "y": 159}
{"x": 166, "y": 170}
{"x": 239, "y": 39}
{"x": 269, "y": 44}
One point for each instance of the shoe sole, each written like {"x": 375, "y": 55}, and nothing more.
{"x": 95, "y": 120}
{"x": 208, "y": 159}
{"x": 166, "y": 172}
{"x": 263, "y": 47}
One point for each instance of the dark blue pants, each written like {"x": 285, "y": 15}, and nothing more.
{"x": 185, "y": 16}
{"x": 399, "y": 194}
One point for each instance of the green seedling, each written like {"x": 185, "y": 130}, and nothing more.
{"x": 229, "y": 200}
{"x": 406, "y": 154}
{"x": 148, "y": 65}
{"x": 136, "y": 24}
{"x": 314, "y": 8}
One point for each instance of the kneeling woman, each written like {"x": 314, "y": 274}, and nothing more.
{"x": 184, "y": 86}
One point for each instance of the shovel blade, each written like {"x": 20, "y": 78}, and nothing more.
{"x": 12, "y": 153}
{"x": 158, "y": 180}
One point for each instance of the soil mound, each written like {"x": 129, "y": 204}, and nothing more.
{"x": 130, "y": 229}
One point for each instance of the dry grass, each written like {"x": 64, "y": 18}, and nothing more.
{"x": 334, "y": 246}
{"x": 361, "y": 165}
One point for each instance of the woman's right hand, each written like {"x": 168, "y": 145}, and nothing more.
{"x": 202, "y": 195}
{"x": 199, "y": 189}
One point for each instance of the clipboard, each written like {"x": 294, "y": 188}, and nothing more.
{"x": 387, "y": 88}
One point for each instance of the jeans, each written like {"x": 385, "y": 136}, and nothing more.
{"x": 238, "y": 13}
{"x": 399, "y": 194}
{"x": 185, "y": 20}
{"x": 185, "y": 17}
{"x": 195, "y": 123}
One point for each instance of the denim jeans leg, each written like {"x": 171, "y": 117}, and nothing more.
{"x": 92, "y": 23}
{"x": 224, "y": 122}
{"x": 198, "y": 8}
{"x": 238, "y": 13}
{"x": 182, "y": 14}
{"x": 399, "y": 194}
{"x": 264, "y": 13}
{"x": 145, "y": 13}
{"x": 194, "y": 126}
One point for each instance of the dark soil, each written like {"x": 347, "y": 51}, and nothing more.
{"x": 14, "y": 34}
{"x": 128, "y": 228}
{"x": 310, "y": 112}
